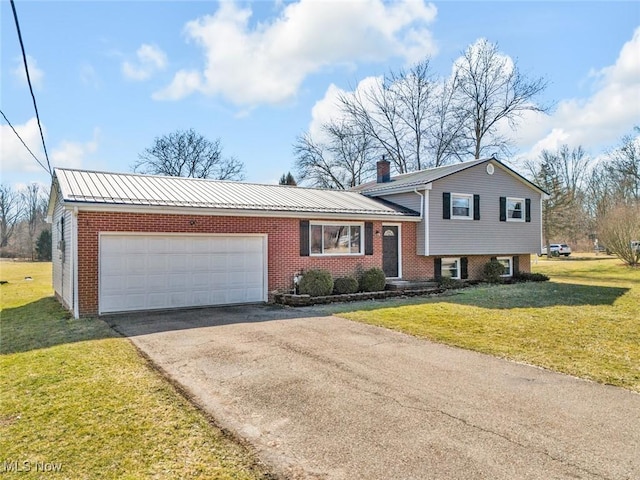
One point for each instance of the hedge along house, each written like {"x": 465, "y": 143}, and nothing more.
{"x": 126, "y": 242}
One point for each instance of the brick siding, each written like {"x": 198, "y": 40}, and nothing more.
{"x": 283, "y": 251}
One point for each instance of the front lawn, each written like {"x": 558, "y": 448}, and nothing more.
{"x": 78, "y": 400}
{"x": 584, "y": 322}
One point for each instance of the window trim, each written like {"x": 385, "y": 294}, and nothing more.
{"x": 523, "y": 210}
{"x": 510, "y": 259}
{"x": 469, "y": 197}
{"x": 338, "y": 224}
{"x": 459, "y": 269}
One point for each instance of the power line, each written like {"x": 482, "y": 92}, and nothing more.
{"x": 25, "y": 145}
{"x": 35, "y": 106}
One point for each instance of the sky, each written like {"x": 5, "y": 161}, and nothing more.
{"x": 111, "y": 76}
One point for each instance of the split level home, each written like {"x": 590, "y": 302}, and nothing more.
{"x": 126, "y": 242}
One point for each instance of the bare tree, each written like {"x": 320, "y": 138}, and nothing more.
{"x": 409, "y": 115}
{"x": 491, "y": 88}
{"x": 620, "y": 232}
{"x": 10, "y": 213}
{"x": 188, "y": 154}
{"x": 34, "y": 207}
{"x": 624, "y": 164}
{"x": 562, "y": 174}
{"x": 341, "y": 160}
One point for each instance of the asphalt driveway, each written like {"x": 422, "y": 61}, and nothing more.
{"x": 324, "y": 397}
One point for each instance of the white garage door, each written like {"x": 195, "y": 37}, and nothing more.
{"x": 144, "y": 272}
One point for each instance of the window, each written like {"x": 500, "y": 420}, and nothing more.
{"x": 507, "y": 263}
{"x": 450, "y": 268}
{"x": 461, "y": 206}
{"x": 515, "y": 209}
{"x": 335, "y": 239}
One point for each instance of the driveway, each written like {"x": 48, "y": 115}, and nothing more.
{"x": 320, "y": 397}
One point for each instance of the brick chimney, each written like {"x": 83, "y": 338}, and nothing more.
{"x": 384, "y": 170}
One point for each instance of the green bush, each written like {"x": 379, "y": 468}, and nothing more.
{"x": 372, "y": 280}
{"x": 530, "y": 277}
{"x": 316, "y": 283}
{"x": 451, "y": 283}
{"x": 345, "y": 285}
{"x": 493, "y": 271}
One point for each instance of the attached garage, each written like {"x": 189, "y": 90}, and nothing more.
{"x": 160, "y": 271}
{"x": 126, "y": 242}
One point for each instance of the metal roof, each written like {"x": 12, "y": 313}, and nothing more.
{"x": 130, "y": 189}
{"x": 409, "y": 181}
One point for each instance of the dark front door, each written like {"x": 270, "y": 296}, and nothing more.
{"x": 390, "y": 251}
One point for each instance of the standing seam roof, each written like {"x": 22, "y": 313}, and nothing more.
{"x": 104, "y": 188}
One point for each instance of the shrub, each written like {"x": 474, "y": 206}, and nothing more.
{"x": 345, "y": 285}
{"x": 530, "y": 277}
{"x": 316, "y": 283}
{"x": 492, "y": 271}
{"x": 451, "y": 283}
{"x": 372, "y": 280}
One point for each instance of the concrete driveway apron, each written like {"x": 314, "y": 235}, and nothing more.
{"x": 324, "y": 397}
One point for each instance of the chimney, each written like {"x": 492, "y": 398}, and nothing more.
{"x": 384, "y": 170}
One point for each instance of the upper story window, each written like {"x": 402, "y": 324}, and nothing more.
{"x": 336, "y": 238}
{"x": 515, "y": 209}
{"x": 461, "y": 206}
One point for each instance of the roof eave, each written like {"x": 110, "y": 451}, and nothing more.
{"x": 239, "y": 212}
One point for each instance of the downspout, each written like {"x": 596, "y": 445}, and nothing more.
{"x": 422, "y": 200}
{"x": 74, "y": 261}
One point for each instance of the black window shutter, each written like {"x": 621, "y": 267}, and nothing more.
{"x": 476, "y": 207}
{"x": 437, "y": 268}
{"x": 494, "y": 259}
{"x": 446, "y": 205}
{"x": 516, "y": 264}
{"x": 464, "y": 267}
{"x": 304, "y": 238}
{"x": 503, "y": 209}
{"x": 368, "y": 238}
{"x": 527, "y": 209}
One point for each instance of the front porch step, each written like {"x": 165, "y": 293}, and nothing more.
{"x": 409, "y": 285}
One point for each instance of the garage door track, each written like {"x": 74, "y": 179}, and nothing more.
{"x": 323, "y": 397}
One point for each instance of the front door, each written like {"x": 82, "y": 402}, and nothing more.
{"x": 390, "y": 251}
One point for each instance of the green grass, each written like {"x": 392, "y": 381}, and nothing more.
{"x": 73, "y": 393}
{"x": 584, "y": 322}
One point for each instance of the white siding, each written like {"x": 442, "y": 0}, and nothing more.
{"x": 61, "y": 259}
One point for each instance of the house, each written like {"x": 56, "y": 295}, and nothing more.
{"x": 126, "y": 242}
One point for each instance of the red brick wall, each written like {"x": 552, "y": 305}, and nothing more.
{"x": 284, "y": 258}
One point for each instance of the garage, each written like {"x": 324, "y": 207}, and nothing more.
{"x": 160, "y": 271}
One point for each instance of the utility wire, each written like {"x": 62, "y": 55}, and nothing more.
{"x": 25, "y": 145}
{"x": 26, "y": 70}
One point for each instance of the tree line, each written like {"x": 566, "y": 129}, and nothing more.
{"x": 592, "y": 201}
{"x": 24, "y": 232}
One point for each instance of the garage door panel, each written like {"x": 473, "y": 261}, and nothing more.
{"x": 139, "y": 272}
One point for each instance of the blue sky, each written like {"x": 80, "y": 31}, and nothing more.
{"x": 111, "y": 76}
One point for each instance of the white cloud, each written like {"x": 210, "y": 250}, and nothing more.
{"x": 35, "y": 74}
{"x": 595, "y": 122}
{"x": 150, "y": 59}
{"x": 15, "y": 157}
{"x": 268, "y": 62}
{"x": 72, "y": 154}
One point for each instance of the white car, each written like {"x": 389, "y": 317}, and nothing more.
{"x": 557, "y": 249}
